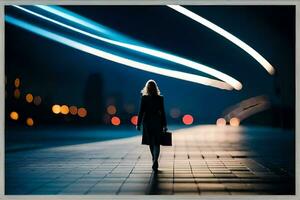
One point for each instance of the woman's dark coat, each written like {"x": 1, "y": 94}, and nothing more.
{"x": 152, "y": 117}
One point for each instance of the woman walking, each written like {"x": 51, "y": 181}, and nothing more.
{"x": 153, "y": 119}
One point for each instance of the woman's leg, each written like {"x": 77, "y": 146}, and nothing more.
{"x": 156, "y": 151}
{"x": 151, "y": 150}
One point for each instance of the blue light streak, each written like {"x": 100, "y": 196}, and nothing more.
{"x": 115, "y": 58}
{"x": 159, "y": 54}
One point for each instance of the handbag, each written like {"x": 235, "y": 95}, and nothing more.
{"x": 166, "y": 138}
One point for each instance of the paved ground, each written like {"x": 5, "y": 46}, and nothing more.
{"x": 203, "y": 160}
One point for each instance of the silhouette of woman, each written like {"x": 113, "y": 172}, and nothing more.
{"x": 152, "y": 117}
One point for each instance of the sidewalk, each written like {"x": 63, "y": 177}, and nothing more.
{"x": 203, "y": 160}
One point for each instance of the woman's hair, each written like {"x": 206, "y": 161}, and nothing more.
{"x": 150, "y": 88}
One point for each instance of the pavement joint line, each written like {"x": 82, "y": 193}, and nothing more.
{"x": 198, "y": 188}
{"x": 173, "y": 178}
{"x": 102, "y": 177}
{"x": 119, "y": 189}
{"x": 47, "y": 183}
{"x": 99, "y": 181}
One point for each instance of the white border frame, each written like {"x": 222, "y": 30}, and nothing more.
{"x": 143, "y": 2}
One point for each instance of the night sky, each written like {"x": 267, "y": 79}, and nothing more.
{"x": 59, "y": 72}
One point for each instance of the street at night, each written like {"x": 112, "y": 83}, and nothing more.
{"x": 90, "y": 90}
{"x": 204, "y": 160}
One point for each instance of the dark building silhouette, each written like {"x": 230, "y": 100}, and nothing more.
{"x": 93, "y": 99}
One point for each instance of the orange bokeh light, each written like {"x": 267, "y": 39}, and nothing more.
{"x": 221, "y": 122}
{"x": 134, "y": 120}
{"x": 82, "y": 112}
{"x": 234, "y": 122}
{"x": 56, "y": 109}
{"x": 73, "y": 110}
{"x": 29, "y": 98}
{"x": 115, "y": 121}
{"x": 14, "y": 115}
{"x": 29, "y": 121}
{"x": 187, "y": 119}
{"x": 17, "y": 82}
{"x": 64, "y": 109}
{"x": 111, "y": 110}
{"x": 17, "y": 93}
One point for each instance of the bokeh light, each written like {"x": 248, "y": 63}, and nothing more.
{"x": 29, "y": 98}
{"x": 187, "y": 119}
{"x": 82, "y": 112}
{"x": 64, "y": 109}
{"x": 221, "y": 122}
{"x": 37, "y": 100}
{"x": 17, "y": 93}
{"x": 17, "y": 82}
{"x": 115, "y": 121}
{"x": 134, "y": 120}
{"x": 175, "y": 112}
{"x": 73, "y": 110}
{"x": 111, "y": 109}
{"x": 29, "y": 121}
{"x": 14, "y": 115}
{"x": 234, "y": 122}
{"x": 56, "y": 109}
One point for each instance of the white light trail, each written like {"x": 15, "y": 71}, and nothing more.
{"x": 118, "y": 59}
{"x": 179, "y": 60}
{"x": 227, "y": 35}
{"x": 83, "y": 22}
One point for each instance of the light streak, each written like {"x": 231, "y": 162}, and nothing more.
{"x": 225, "y": 34}
{"x": 176, "y": 59}
{"x": 73, "y": 17}
{"x": 118, "y": 59}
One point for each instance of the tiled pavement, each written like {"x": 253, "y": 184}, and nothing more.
{"x": 203, "y": 160}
